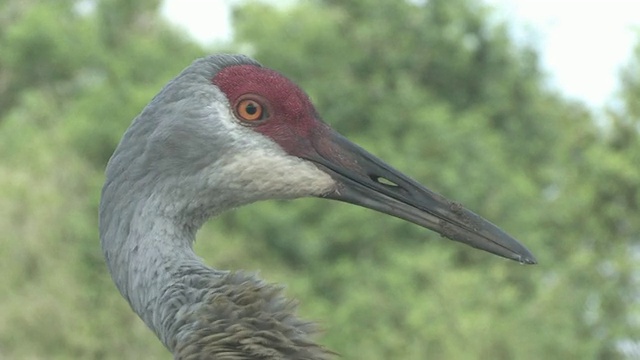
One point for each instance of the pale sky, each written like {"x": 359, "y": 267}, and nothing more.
{"x": 582, "y": 43}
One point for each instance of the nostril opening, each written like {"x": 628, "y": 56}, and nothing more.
{"x": 383, "y": 181}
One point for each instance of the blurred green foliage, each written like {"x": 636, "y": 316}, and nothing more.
{"x": 439, "y": 89}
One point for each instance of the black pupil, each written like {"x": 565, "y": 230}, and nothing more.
{"x": 251, "y": 109}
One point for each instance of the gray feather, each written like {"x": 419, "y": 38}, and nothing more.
{"x": 183, "y": 160}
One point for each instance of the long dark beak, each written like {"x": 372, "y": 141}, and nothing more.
{"x": 367, "y": 181}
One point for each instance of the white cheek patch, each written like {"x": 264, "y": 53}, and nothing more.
{"x": 270, "y": 173}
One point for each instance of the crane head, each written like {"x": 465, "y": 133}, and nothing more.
{"x": 261, "y": 133}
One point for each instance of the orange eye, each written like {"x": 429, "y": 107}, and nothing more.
{"x": 250, "y": 110}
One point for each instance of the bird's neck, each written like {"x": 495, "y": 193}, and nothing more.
{"x": 200, "y": 312}
{"x": 149, "y": 259}
{"x": 147, "y": 242}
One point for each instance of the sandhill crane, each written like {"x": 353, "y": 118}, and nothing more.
{"x": 224, "y": 133}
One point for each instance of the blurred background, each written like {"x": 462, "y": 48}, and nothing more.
{"x": 461, "y": 94}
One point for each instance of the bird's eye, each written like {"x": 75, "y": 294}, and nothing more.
{"x": 250, "y": 110}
